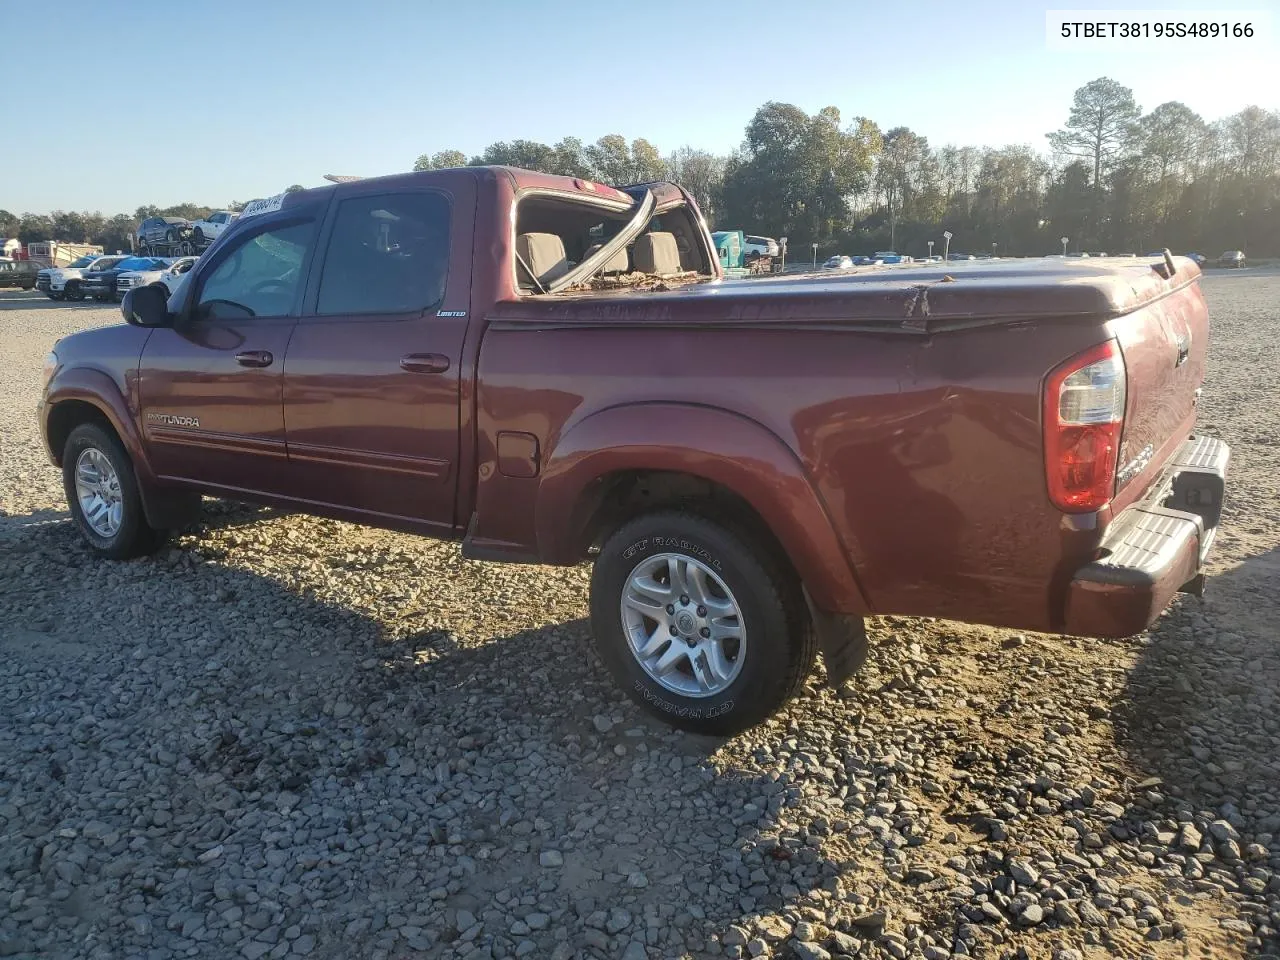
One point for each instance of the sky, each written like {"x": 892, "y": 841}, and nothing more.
{"x": 151, "y": 101}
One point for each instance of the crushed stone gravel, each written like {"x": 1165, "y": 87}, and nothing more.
{"x": 286, "y": 736}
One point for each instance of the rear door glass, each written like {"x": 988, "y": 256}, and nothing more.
{"x": 386, "y": 254}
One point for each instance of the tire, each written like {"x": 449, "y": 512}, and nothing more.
{"x": 198, "y": 236}
{"x": 72, "y": 291}
{"x": 723, "y": 564}
{"x": 132, "y": 536}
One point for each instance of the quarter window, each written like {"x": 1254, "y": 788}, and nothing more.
{"x": 260, "y": 278}
{"x": 387, "y": 254}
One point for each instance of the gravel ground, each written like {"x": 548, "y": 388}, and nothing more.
{"x": 290, "y": 736}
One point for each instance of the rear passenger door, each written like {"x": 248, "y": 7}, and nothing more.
{"x": 371, "y": 381}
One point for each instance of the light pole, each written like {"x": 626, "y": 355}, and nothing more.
{"x": 993, "y": 249}
{"x": 946, "y": 244}
{"x": 1064, "y": 247}
{"x": 815, "y": 256}
{"x": 930, "y": 249}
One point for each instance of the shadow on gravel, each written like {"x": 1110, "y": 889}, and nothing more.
{"x": 1202, "y": 713}
{"x": 188, "y": 709}
{"x": 38, "y": 301}
{"x": 228, "y": 514}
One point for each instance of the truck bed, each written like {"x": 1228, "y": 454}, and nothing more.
{"x": 919, "y": 298}
{"x": 912, "y": 397}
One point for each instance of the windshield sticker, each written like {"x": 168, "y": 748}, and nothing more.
{"x": 270, "y": 205}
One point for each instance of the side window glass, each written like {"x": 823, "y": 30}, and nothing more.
{"x": 260, "y": 277}
{"x": 387, "y": 254}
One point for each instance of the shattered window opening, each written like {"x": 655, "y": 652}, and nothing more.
{"x": 555, "y": 234}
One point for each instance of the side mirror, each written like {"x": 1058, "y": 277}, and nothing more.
{"x": 146, "y": 307}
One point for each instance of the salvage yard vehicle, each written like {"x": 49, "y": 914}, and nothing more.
{"x": 59, "y": 283}
{"x": 157, "y": 230}
{"x": 211, "y": 227}
{"x": 165, "y": 271}
{"x": 551, "y": 370}
{"x": 102, "y": 284}
{"x": 174, "y": 275}
{"x": 18, "y": 273}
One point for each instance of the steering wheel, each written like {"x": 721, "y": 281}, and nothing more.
{"x": 265, "y": 286}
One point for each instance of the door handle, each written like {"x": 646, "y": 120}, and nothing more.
{"x": 254, "y": 358}
{"x": 424, "y": 363}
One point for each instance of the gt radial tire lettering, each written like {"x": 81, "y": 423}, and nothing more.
{"x": 690, "y": 548}
{"x": 689, "y": 713}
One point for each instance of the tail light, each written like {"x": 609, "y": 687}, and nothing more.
{"x": 1083, "y": 416}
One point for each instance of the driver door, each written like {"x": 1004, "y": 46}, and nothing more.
{"x": 210, "y": 386}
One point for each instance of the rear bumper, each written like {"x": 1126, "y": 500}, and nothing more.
{"x": 1155, "y": 548}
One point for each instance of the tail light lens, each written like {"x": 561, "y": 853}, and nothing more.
{"x": 1083, "y": 417}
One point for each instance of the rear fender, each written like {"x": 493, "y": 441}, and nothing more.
{"x": 716, "y": 445}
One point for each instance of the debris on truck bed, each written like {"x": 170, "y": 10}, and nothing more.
{"x": 637, "y": 281}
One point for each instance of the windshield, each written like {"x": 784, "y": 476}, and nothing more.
{"x": 82, "y": 262}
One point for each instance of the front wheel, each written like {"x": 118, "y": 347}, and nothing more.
{"x": 72, "y": 291}
{"x": 699, "y": 622}
{"x": 102, "y": 492}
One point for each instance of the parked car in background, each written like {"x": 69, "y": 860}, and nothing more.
{"x": 765, "y": 246}
{"x": 101, "y": 284}
{"x": 59, "y": 283}
{"x": 18, "y": 273}
{"x": 179, "y": 269}
{"x": 131, "y": 279}
{"x": 838, "y": 262}
{"x": 1231, "y": 258}
{"x": 1198, "y": 258}
{"x": 211, "y": 227}
{"x": 155, "y": 230}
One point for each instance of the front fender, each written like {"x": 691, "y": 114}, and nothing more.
{"x": 166, "y": 507}
{"x": 716, "y": 445}
{"x": 100, "y": 390}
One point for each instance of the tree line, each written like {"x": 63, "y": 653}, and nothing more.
{"x": 111, "y": 233}
{"x": 1112, "y": 178}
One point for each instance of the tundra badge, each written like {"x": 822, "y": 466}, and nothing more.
{"x": 168, "y": 419}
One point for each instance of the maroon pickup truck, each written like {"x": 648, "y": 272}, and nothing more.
{"x": 551, "y": 370}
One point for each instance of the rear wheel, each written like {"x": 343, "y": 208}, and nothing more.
{"x": 699, "y": 623}
{"x": 102, "y": 492}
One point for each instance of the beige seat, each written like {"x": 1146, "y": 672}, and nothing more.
{"x": 656, "y": 253}
{"x": 543, "y": 254}
{"x": 618, "y": 263}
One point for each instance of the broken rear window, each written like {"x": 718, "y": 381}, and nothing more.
{"x": 555, "y": 233}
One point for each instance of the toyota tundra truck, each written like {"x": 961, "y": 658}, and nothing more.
{"x": 550, "y": 370}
